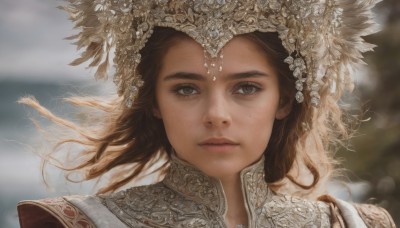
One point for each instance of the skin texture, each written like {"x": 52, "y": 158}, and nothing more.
{"x": 219, "y": 126}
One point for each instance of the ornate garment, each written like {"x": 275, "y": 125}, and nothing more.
{"x": 189, "y": 198}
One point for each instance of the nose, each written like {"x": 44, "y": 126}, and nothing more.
{"x": 216, "y": 113}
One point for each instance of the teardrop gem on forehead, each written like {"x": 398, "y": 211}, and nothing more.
{"x": 213, "y": 65}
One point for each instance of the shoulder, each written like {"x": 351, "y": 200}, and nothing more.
{"x": 67, "y": 211}
{"x": 139, "y": 198}
{"x": 359, "y": 215}
{"x": 54, "y": 212}
{"x": 374, "y": 216}
{"x": 285, "y": 210}
{"x": 157, "y": 205}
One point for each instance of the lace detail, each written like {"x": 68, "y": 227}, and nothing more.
{"x": 189, "y": 198}
{"x": 374, "y": 217}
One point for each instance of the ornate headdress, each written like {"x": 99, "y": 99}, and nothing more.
{"x": 322, "y": 37}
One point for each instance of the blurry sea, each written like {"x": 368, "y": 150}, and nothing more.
{"x": 20, "y": 174}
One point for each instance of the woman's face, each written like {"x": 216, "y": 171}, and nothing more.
{"x": 219, "y": 126}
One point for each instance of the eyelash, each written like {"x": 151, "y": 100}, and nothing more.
{"x": 256, "y": 88}
{"x": 178, "y": 90}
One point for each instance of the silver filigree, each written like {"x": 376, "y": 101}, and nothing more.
{"x": 319, "y": 34}
{"x": 189, "y": 198}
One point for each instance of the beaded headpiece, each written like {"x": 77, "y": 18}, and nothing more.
{"x": 322, "y": 37}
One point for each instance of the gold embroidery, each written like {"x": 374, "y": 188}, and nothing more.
{"x": 189, "y": 198}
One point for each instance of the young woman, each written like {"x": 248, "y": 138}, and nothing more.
{"x": 238, "y": 102}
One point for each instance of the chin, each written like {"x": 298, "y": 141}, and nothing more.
{"x": 220, "y": 170}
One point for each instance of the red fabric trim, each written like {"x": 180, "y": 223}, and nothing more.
{"x": 54, "y": 213}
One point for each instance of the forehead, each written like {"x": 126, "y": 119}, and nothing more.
{"x": 240, "y": 53}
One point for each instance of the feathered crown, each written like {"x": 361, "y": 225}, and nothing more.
{"x": 323, "y": 37}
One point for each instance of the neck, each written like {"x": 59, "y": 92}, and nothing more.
{"x": 236, "y": 213}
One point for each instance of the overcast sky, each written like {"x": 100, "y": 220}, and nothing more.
{"x": 31, "y": 41}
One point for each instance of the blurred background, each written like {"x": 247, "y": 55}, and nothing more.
{"x": 34, "y": 61}
{"x": 375, "y": 161}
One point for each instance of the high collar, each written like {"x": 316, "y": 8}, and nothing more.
{"x": 195, "y": 185}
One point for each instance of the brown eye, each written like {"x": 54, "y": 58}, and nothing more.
{"x": 247, "y": 89}
{"x": 186, "y": 90}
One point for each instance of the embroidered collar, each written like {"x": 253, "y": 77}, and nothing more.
{"x": 193, "y": 184}
{"x": 189, "y": 198}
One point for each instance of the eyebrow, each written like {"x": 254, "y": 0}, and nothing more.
{"x": 247, "y": 74}
{"x": 185, "y": 75}
{"x": 199, "y": 77}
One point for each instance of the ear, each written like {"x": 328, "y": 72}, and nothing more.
{"x": 285, "y": 107}
{"x": 157, "y": 113}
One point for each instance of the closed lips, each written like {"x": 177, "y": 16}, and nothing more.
{"x": 218, "y": 141}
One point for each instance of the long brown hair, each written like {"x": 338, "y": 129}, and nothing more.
{"x": 132, "y": 140}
